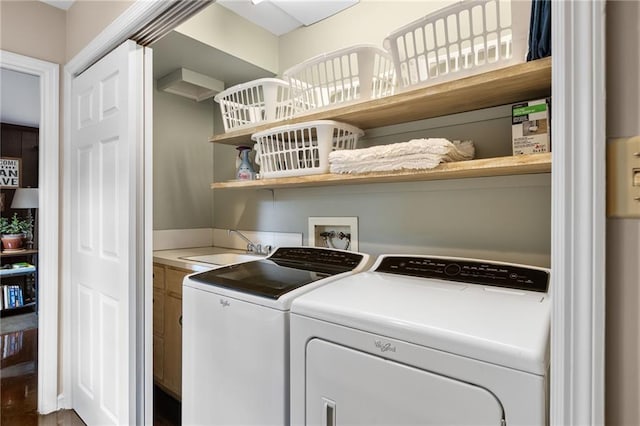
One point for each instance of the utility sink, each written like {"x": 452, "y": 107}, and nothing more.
{"x": 223, "y": 258}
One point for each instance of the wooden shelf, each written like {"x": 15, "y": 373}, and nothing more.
{"x": 25, "y": 252}
{"x": 530, "y": 80}
{"x": 487, "y": 167}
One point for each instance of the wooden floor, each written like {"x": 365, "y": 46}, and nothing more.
{"x": 19, "y": 384}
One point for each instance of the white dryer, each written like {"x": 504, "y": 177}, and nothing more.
{"x": 423, "y": 340}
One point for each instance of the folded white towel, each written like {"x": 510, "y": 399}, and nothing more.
{"x": 416, "y": 154}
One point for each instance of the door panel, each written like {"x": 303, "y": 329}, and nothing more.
{"x": 158, "y": 358}
{"x": 349, "y": 387}
{"x": 158, "y": 277}
{"x": 173, "y": 344}
{"x": 158, "y": 312}
{"x": 105, "y": 115}
{"x": 174, "y": 280}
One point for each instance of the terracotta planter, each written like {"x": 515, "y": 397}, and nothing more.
{"x": 12, "y": 241}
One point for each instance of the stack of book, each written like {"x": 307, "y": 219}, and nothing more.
{"x": 12, "y": 296}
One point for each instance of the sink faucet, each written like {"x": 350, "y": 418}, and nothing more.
{"x": 251, "y": 246}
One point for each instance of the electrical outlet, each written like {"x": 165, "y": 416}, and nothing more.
{"x": 334, "y": 232}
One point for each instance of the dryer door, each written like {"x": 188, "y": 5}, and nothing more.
{"x": 349, "y": 387}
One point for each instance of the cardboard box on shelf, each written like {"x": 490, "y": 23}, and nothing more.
{"x": 531, "y": 129}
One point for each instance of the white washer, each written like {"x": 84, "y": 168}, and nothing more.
{"x": 423, "y": 340}
{"x": 235, "y": 337}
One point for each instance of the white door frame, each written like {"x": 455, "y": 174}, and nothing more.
{"x": 577, "y": 255}
{"x": 48, "y": 178}
{"x": 578, "y": 212}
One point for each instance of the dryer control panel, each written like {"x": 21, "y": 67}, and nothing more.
{"x": 468, "y": 271}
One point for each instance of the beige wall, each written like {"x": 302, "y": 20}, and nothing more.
{"x": 34, "y": 29}
{"x": 623, "y": 235}
{"x": 369, "y": 21}
{"x": 220, "y": 28}
{"x": 88, "y": 18}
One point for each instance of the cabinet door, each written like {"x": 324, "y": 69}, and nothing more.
{"x": 158, "y": 277}
{"x": 158, "y": 358}
{"x": 174, "y": 278}
{"x": 173, "y": 344}
{"x": 158, "y": 313}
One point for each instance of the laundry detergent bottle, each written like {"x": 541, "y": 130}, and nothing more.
{"x": 245, "y": 169}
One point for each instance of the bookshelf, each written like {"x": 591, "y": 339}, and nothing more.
{"x": 18, "y": 288}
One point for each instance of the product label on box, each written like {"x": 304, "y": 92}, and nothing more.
{"x": 530, "y": 129}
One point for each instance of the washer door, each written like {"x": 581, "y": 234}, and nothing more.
{"x": 349, "y": 387}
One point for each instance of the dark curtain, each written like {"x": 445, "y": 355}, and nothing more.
{"x": 540, "y": 30}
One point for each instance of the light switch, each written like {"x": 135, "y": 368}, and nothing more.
{"x": 623, "y": 177}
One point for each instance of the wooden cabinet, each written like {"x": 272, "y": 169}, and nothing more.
{"x": 167, "y": 328}
{"x": 172, "y": 377}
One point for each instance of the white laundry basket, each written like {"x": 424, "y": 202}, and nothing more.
{"x": 259, "y": 101}
{"x": 302, "y": 149}
{"x": 465, "y": 38}
{"x": 358, "y": 72}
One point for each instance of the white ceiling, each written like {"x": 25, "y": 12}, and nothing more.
{"x": 281, "y": 16}
{"x": 60, "y": 4}
{"x": 19, "y": 98}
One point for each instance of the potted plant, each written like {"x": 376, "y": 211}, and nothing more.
{"x": 13, "y": 231}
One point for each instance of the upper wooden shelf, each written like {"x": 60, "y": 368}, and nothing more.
{"x": 486, "y": 167}
{"x": 522, "y": 82}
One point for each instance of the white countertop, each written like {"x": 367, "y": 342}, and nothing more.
{"x": 175, "y": 257}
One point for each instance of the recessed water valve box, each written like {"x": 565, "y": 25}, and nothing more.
{"x": 334, "y": 232}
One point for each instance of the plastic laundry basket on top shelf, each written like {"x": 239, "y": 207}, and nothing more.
{"x": 259, "y": 101}
{"x": 466, "y": 38}
{"x": 359, "y": 72}
{"x": 303, "y": 148}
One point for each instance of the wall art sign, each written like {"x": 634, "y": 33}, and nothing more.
{"x": 10, "y": 172}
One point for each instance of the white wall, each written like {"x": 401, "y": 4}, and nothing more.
{"x": 19, "y": 98}
{"x": 182, "y": 162}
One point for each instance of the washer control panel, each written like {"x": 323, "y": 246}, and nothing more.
{"x": 468, "y": 271}
{"x": 319, "y": 257}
